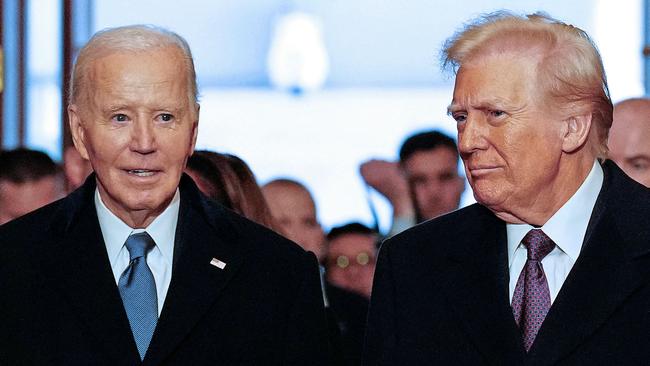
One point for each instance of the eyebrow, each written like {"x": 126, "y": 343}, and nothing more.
{"x": 638, "y": 156}
{"x": 114, "y": 108}
{"x": 119, "y": 107}
{"x": 453, "y": 107}
{"x": 493, "y": 103}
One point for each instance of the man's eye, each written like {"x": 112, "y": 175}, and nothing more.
{"x": 166, "y": 117}
{"x": 497, "y": 113}
{"x": 120, "y": 117}
{"x": 641, "y": 165}
{"x": 460, "y": 118}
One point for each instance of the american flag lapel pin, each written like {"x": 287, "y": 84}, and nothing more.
{"x": 217, "y": 263}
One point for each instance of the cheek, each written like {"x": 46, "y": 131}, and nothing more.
{"x": 336, "y": 274}
{"x": 420, "y": 190}
{"x": 177, "y": 147}
{"x": 637, "y": 175}
{"x": 105, "y": 147}
{"x": 645, "y": 179}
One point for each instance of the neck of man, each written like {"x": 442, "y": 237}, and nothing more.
{"x": 572, "y": 172}
{"x": 140, "y": 219}
{"x": 136, "y": 219}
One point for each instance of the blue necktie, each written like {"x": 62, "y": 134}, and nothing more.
{"x": 138, "y": 290}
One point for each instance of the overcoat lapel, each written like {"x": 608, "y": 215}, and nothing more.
{"x": 78, "y": 264}
{"x": 478, "y": 292}
{"x": 202, "y": 234}
{"x": 613, "y": 263}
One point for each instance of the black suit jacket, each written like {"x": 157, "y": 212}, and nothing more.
{"x": 349, "y": 311}
{"x": 440, "y": 295}
{"x": 59, "y": 303}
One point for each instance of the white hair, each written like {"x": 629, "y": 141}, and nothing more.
{"x": 132, "y": 38}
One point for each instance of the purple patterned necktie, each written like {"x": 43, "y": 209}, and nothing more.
{"x": 532, "y": 299}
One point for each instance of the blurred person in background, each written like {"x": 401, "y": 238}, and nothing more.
{"x": 29, "y": 179}
{"x": 629, "y": 138}
{"x": 228, "y": 180}
{"x": 351, "y": 257}
{"x": 210, "y": 179}
{"x": 75, "y": 168}
{"x": 423, "y": 185}
{"x": 294, "y": 212}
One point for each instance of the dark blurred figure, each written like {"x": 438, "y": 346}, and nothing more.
{"x": 294, "y": 211}
{"x": 424, "y": 184}
{"x": 629, "y": 138}
{"x": 29, "y": 179}
{"x": 209, "y": 178}
{"x": 75, "y": 168}
{"x": 228, "y": 180}
{"x": 351, "y": 257}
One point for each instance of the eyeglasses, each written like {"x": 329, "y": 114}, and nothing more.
{"x": 361, "y": 259}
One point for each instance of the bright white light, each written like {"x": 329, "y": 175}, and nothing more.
{"x": 297, "y": 58}
{"x": 618, "y": 34}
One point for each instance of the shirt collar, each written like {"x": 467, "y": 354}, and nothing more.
{"x": 115, "y": 232}
{"x": 567, "y": 227}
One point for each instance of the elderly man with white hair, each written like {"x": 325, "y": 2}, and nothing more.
{"x": 137, "y": 266}
{"x": 552, "y": 265}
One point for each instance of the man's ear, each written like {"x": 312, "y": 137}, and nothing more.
{"x": 576, "y": 132}
{"x": 77, "y": 131}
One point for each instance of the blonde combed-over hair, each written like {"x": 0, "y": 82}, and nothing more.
{"x": 570, "y": 71}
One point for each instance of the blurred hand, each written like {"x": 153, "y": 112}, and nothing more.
{"x": 387, "y": 178}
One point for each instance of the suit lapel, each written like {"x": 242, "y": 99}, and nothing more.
{"x": 611, "y": 265}
{"x": 478, "y": 292}
{"x": 78, "y": 264}
{"x": 196, "y": 283}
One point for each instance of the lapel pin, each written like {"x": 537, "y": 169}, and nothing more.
{"x": 217, "y": 263}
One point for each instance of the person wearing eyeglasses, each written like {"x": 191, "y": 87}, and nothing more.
{"x": 351, "y": 256}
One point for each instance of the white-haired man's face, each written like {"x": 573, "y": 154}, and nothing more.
{"x": 137, "y": 127}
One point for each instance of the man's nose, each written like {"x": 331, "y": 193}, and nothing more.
{"x": 471, "y": 136}
{"x": 143, "y": 138}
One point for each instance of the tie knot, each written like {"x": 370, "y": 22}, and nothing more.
{"x": 537, "y": 244}
{"x": 139, "y": 244}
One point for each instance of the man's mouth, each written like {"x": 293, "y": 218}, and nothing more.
{"x": 142, "y": 172}
{"x": 479, "y": 170}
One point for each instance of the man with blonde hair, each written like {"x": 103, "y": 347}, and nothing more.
{"x": 551, "y": 265}
{"x": 137, "y": 266}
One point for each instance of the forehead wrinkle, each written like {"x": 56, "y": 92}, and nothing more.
{"x": 500, "y": 103}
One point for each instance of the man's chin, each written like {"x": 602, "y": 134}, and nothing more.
{"x": 489, "y": 197}
{"x": 150, "y": 202}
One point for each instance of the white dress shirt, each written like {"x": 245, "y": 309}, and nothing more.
{"x": 162, "y": 230}
{"x": 567, "y": 228}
